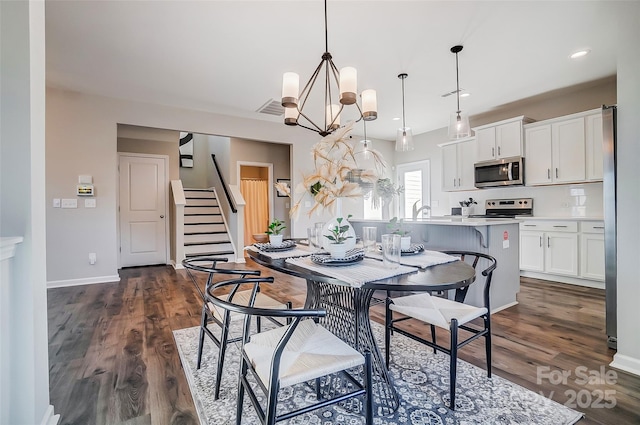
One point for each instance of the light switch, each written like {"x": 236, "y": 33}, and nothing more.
{"x": 90, "y": 203}
{"x": 56, "y": 202}
{"x": 69, "y": 203}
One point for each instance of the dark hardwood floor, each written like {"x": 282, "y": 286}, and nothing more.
{"x": 113, "y": 359}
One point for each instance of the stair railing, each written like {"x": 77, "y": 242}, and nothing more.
{"x": 225, "y": 187}
{"x": 179, "y": 201}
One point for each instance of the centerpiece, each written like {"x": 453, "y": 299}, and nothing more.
{"x": 384, "y": 193}
{"x": 396, "y": 227}
{"x": 275, "y": 232}
{"x": 332, "y": 179}
{"x": 338, "y": 235}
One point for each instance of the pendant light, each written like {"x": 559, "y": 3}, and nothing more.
{"x": 366, "y": 143}
{"x": 404, "y": 138}
{"x": 459, "y": 122}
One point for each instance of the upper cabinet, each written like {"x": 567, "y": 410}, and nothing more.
{"x": 500, "y": 140}
{"x": 457, "y": 165}
{"x": 561, "y": 150}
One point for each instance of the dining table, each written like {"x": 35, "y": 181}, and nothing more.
{"x": 347, "y": 301}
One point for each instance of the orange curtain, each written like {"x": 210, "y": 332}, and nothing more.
{"x": 256, "y": 210}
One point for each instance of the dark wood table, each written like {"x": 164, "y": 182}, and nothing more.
{"x": 347, "y": 308}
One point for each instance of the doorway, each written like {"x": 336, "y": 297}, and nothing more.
{"x": 415, "y": 178}
{"x": 143, "y": 220}
{"x": 256, "y": 188}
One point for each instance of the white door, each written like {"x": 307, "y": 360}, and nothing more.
{"x": 143, "y": 211}
{"x": 538, "y": 155}
{"x": 416, "y": 180}
{"x": 568, "y": 151}
{"x": 449, "y": 167}
{"x": 561, "y": 255}
{"x": 466, "y": 159}
{"x": 531, "y": 251}
{"x": 509, "y": 140}
{"x": 486, "y": 144}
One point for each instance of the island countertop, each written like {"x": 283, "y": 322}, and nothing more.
{"x": 448, "y": 221}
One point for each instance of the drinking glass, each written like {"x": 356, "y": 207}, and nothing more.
{"x": 315, "y": 235}
{"x": 369, "y": 238}
{"x": 391, "y": 250}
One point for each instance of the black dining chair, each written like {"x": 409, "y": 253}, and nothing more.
{"x": 223, "y": 318}
{"x": 303, "y": 351}
{"x": 446, "y": 314}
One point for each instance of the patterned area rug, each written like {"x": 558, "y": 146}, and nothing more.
{"x": 422, "y": 382}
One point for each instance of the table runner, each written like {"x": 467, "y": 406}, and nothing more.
{"x": 423, "y": 260}
{"x": 356, "y": 275}
{"x": 298, "y": 251}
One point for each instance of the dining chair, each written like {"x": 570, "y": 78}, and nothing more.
{"x": 223, "y": 318}
{"x": 300, "y": 352}
{"x": 446, "y": 314}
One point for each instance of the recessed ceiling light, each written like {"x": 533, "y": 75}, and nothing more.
{"x": 580, "y": 53}
{"x": 465, "y": 94}
{"x": 396, "y": 119}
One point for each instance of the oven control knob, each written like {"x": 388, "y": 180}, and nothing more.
{"x": 520, "y": 202}
{"x": 526, "y": 202}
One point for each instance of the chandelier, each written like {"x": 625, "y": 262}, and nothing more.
{"x": 344, "y": 82}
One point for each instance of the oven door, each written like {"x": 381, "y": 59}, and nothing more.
{"x": 503, "y": 172}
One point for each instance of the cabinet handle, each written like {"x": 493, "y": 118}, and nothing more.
{"x": 530, "y": 225}
{"x": 541, "y": 241}
{"x": 458, "y": 181}
{"x": 559, "y": 226}
{"x": 556, "y": 172}
{"x": 598, "y": 227}
{"x": 549, "y": 173}
{"x": 493, "y": 151}
{"x": 498, "y": 150}
{"x": 548, "y": 242}
{"x": 454, "y": 182}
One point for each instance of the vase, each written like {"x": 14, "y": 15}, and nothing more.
{"x": 337, "y": 250}
{"x": 386, "y": 205}
{"x": 275, "y": 240}
{"x": 405, "y": 243}
{"x": 350, "y": 243}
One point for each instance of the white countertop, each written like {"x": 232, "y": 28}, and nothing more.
{"x": 561, "y": 218}
{"x": 450, "y": 221}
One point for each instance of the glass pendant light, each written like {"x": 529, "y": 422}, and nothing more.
{"x": 459, "y": 122}
{"x": 404, "y": 138}
{"x": 366, "y": 143}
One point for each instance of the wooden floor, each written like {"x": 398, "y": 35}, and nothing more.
{"x": 113, "y": 359}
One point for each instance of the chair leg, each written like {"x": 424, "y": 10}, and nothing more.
{"x": 243, "y": 374}
{"x": 453, "y": 363}
{"x": 203, "y": 324}
{"x": 289, "y": 307}
{"x": 387, "y": 330}
{"x": 224, "y": 337}
{"x": 369, "y": 393}
{"x": 433, "y": 337}
{"x": 487, "y": 343}
{"x": 258, "y": 324}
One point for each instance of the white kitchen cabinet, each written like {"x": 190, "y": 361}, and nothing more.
{"x": 500, "y": 140}
{"x": 549, "y": 247}
{"x": 568, "y": 151}
{"x": 594, "y": 146}
{"x": 592, "y": 250}
{"x": 537, "y": 165}
{"x": 457, "y": 165}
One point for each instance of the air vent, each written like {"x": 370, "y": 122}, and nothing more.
{"x": 272, "y": 107}
{"x": 452, "y": 92}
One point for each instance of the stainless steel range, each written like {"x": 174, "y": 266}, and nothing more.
{"x": 507, "y": 208}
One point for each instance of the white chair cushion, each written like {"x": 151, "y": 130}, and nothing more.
{"x": 435, "y": 310}
{"x": 311, "y": 352}
{"x": 242, "y": 298}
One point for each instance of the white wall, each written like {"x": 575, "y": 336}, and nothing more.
{"x": 81, "y": 137}
{"x": 196, "y": 177}
{"x": 628, "y": 153}
{"x": 22, "y": 182}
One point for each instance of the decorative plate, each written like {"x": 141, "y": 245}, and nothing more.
{"x": 413, "y": 249}
{"x": 284, "y": 246}
{"x": 324, "y": 258}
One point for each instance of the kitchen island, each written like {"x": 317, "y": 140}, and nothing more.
{"x": 498, "y": 237}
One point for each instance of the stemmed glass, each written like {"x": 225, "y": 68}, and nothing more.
{"x": 315, "y": 236}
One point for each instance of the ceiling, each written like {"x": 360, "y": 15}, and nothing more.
{"x": 229, "y": 56}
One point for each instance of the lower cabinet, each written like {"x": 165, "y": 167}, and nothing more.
{"x": 563, "y": 249}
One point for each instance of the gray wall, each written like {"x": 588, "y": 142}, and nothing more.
{"x": 154, "y": 141}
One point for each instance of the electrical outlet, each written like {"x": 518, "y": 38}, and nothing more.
{"x": 69, "y": 203}
{"x": 56, "y": 202}
{"x": 92, "y": 258}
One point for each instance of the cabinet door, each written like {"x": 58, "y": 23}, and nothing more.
{"x": 509, "y": 140}
{"x": 466, "y": 159}
{"x": 592, "y": 256}
{"x": 568, "y": 153}
{"x": 532, "y": 251}
{"x": 449, "y": 168}
{"x": 593, "y": 137}
{"x": 537, "y": 167}
{"x": 486, "y": 144}
{"x": 561, "y": 256}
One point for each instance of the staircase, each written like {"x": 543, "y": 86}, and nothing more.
{"x": 205, "y": 232}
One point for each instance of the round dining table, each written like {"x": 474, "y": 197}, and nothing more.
{"x": 347, "y": 307}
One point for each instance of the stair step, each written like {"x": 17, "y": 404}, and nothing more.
{"x": 209, "y": 249}
{"x": 198, "y": 228}
{"x": 203, "y": 219}
{"x": 199, "y": 194}
{"x": 204, "y": 202}
{"x": 198, "y": 210}
{"x": 206, "y": 238}
{"x": 230, "y": 256}
{"x": 207, "y": 242}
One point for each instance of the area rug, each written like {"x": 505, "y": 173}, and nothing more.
{"x": 421, "y": 378}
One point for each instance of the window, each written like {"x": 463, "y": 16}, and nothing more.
{"x": 416, "y": 180}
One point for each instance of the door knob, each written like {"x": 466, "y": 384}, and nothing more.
{"x": 161, "y": 216}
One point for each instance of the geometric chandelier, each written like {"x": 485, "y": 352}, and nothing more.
{"x": 344, "y": 82}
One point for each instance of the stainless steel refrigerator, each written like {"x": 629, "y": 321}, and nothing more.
{"x": 609, "y": 197}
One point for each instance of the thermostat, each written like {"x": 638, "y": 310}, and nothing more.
{"x": 84, "y": 190}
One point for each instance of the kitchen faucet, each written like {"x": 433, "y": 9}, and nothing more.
{"x": 417, "y": 210}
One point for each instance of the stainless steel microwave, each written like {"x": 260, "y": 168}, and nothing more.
{"x": 500, "y": 172}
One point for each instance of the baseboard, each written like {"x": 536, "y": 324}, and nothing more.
{"x": 626, "y": 363}
{"x": 84, "y": 281}
{"x": 564, "y": 279}
{"x": 176, "y": 266}
{"x": 49, "y": 418}
{"x": 507, "y": 305}
{"x": 240, "y": 260}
